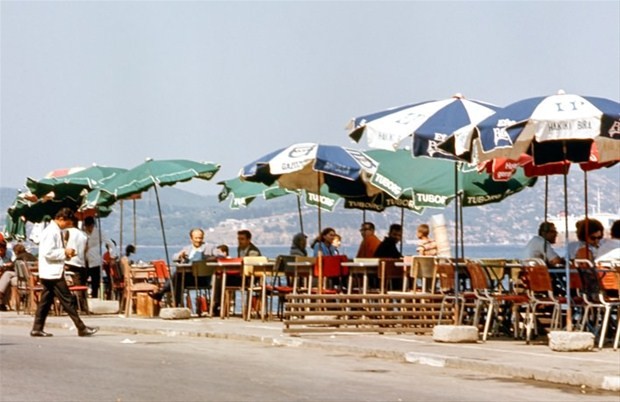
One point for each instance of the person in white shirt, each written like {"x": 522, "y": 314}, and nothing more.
{"x": 76, "y": 239}
{"x": 52, "y": 257}
{"x": 540, "y": 246}
{"x": 93, "y": 255}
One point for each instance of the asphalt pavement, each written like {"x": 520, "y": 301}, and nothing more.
{"x": 597, "y": 369}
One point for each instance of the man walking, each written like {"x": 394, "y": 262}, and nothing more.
{"x": 52, "y": 257}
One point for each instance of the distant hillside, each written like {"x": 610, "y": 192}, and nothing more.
{"x": 274, "y": 222}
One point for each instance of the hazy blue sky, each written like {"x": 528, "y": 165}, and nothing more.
{"x": 114, "y": 82}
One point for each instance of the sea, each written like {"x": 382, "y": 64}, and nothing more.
{"x": 508, "y": 251}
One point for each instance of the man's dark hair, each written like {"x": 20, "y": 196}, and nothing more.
{"x": 89, "y": 221}
{"x": 369, "y": 224}
{"x": 64, "y": 213}
{"x": 245, "y": 233}
{"x": 395, "y": 227}
{"x": 545, "y": 227}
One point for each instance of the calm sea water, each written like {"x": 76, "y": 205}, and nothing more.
{"x": 148, "y": 253}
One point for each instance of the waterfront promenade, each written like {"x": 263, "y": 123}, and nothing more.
{"x": 599, "y": 370}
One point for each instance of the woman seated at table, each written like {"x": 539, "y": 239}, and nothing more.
{"x": 323, "y": 243}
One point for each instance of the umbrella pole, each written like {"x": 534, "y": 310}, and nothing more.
{"x": 569, "y": 320}
{"x": 546, "y": 197}
{"x": 135, "y": 232}
{"x": 586, "y": 229}
{"x": 101, "y": 290}
{"x": 163, "y": 234}
{"x": 320, "y": 253}
{"x": 301, "y": 220}
{"x": 120, "y": 240}
{"x": 402, "y": 225}
{"x": 456, "y": 239}
{"x": 461, "y": 225}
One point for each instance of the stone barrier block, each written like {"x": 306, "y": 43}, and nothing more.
{"x": 175, "y": 313}
{"x": 564, "y": 341}
{"x": 96, "y": 306}
{"x": 455, "y": 333}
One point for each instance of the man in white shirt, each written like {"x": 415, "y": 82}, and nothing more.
{"x": 52, "y": 257}
{"x": 540, "y": 246}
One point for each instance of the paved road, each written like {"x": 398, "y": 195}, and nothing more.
{"x": 121, "y": 367}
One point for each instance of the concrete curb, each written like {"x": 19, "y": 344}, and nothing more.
{"x": 556, "y": 376}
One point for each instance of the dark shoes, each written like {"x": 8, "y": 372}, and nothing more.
{"x": 3, "y": 307}
{"x": 40, "y": 333}
{"x": 88, "y": 331}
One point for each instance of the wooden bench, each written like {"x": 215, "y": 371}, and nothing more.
{"x": 392, "y": 312}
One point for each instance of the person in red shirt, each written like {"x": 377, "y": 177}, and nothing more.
{"x": 370, "y": 241}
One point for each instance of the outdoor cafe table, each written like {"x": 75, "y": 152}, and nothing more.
{"x": 223, "y": 267}
{"x": 361, "y": 268}
{"x": 305, "y": 268}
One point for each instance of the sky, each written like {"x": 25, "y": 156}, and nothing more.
{"x": 115, "y": 82}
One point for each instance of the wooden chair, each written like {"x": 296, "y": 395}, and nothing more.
{"x": 254, "y": 281}
{"x": 445, "y": 274}
{"x": 480, "y": 285}
{"x": 28, "y": 291}
{"x": 390, "y": 276}
{"x": 203, "y": 283}
{"x": 601, "y": 292}
{"x": 282, "y": 271}
{"x": 117, "y": 285}
{"x": 332, "y": 271}
{"x": 136, "y": 281}
{"x": 539, "y": 289}
{"x": 230, "y": 290}
{"x": 422, "y": 270}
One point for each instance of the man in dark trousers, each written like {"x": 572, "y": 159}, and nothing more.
{"x": 52, "y": 257}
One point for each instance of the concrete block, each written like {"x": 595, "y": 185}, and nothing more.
{"x": 175, "y": 313}
{"x": 455, "y": 333}
{"x": 564, "y": 341}
{"x": 96, "y": 306}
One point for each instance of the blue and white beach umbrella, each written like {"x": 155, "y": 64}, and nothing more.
{"x": 306, "y": 166}
{"x": 551, "y": 129}
{"x": 429, "y": 123}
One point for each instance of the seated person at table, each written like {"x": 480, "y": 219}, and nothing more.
{"x": 299, "y": 244}
{"x": 221, "y": 251}
{"x": 610, "y": 248}
{"x": 591, "y": 231}
{"x": 388, "y": 247}
{"x": 323, "y": 243}
{"x": 426, "y": 246}
{"x": 337, "y": 243}
{"x": 575, "y": 245}
{"x": 196, "y": 251}
{"x": 540, "y": 246}
{"x": 370, "y": 241}
{"x": 245, "y": 246}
